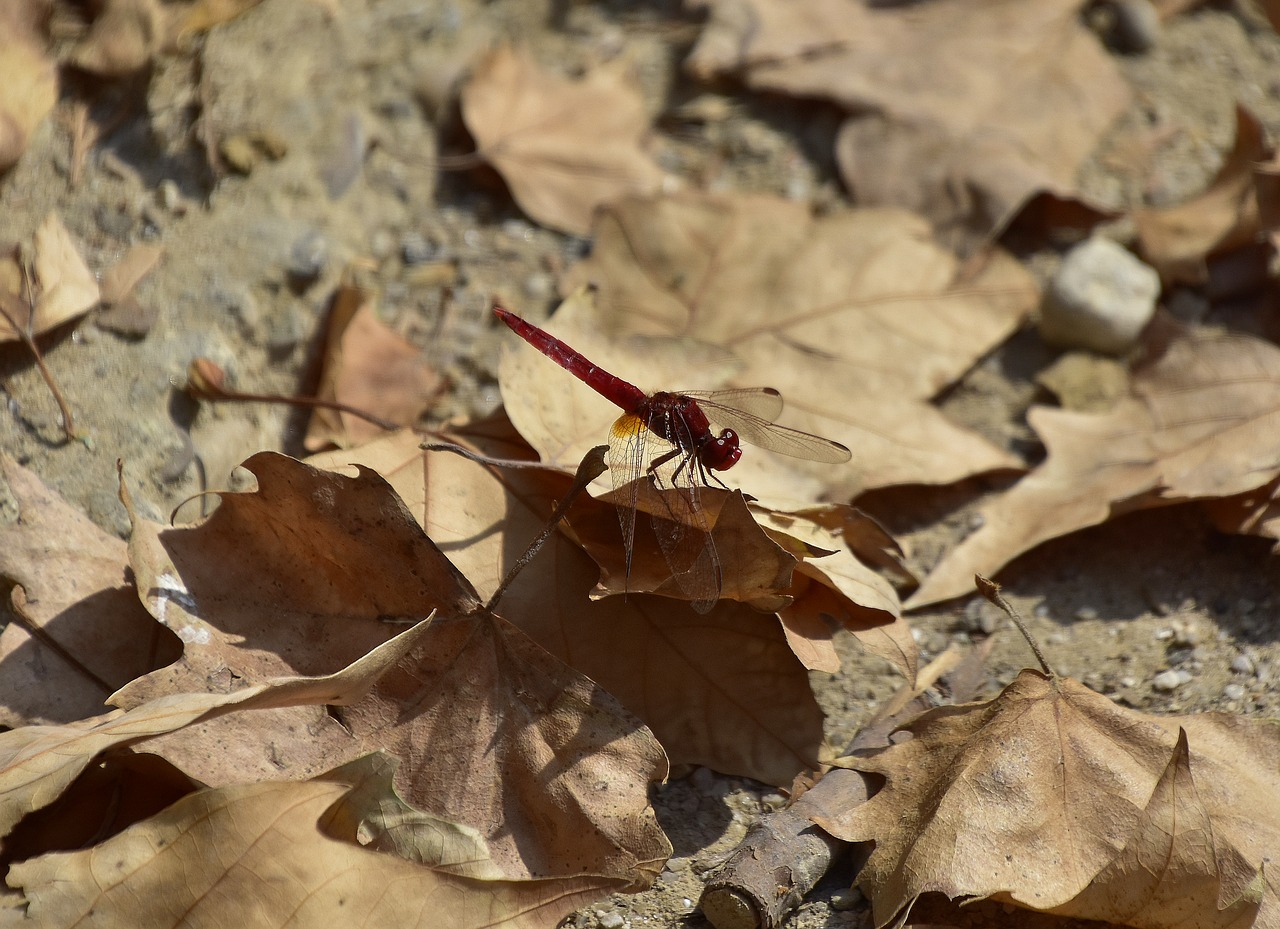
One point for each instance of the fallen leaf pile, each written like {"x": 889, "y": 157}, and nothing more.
{"x": 352, "y": 696}
{"x": 965, "y": 146}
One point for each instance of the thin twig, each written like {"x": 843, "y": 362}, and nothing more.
{"x": 462, "y": 451}
{"x": 591, "y": 467}
{"x": 991, "y": 590}
{"x": 204, "y": 382}
{"x": 24, "y": 333}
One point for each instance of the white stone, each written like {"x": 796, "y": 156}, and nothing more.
{"x": 1100, "y": 300}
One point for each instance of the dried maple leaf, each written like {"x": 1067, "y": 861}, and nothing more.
{"x": 1178, "y": 240}
{"x": 1055, "y": 799}
{"x": 209, "y": 856}
{"x": 82, "y": 633}
{"x": 941, "y": 128}
{"x": 319, "y": 844}
{"x": 1201, "y": 421}
{"x": 722, "y": 689}
{"x": 28, "y": 78}
{"x": 857, "y": 317}
{"x": 305, "y": 572}
{"x": 371, "y": 368}
{"x": 38, "y": 762}
{"x": 564, "y": 147}
{"x": 64, "y": 287}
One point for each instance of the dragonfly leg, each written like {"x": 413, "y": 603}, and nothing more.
{"x": 663, "y": 459}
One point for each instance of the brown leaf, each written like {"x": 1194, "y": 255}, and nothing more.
{"x": 371, "y": 368}
{"x": 1163, "y": 877}
{"x": 1200, "y": 422}
{"x": 722, "y": 689}
{"x": 1051, "y": 794}
{"x": 28, "y": 79}
{"x": 38, "y": 762}
{"x": 202, "y": 15}
{"x": 564, "y": 147}
{"x": 858, "y": 317}
{"x": 210, "y": 855}
{"x": 64, "y": 287}
{"x": 124, "y": 37}
{"x": 1178, "y": 240}
{"x": 307, "y": 571}
{"x": 122, "y": 313}
{"x": 83, "y": 634}
{"x": 277, "y": 583}
{"x": 965, "y": 109}
{"x": 119, "y": 281}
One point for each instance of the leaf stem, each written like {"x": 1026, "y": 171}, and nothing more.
{"x": 991, "y": 590}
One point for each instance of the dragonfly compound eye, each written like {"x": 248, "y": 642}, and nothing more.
{"x": 722, "y": 452}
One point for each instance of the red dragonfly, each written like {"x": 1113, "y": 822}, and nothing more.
{"x": 700, "y": 432}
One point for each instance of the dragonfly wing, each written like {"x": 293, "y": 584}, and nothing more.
{"x": 762, "y": 402}
{"x": 762, "y": 433}
{"x": 669, "y": 496}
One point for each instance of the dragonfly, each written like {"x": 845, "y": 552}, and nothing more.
{"x": 676, "y": 442}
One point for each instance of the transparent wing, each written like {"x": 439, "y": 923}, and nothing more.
{"x": 760, "y": 431}
{"x": 762, "y": 402}
{"x": 671, "y": 501}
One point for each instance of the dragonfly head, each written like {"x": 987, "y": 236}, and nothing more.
{"x": 722, "y": 452}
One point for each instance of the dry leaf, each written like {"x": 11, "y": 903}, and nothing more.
{"x": 38, "y": 762}
{"x": 965, "y": 108}
{"x": 371, "y": 368}
{"x": 858, "y": 317}
{"x": 210, "y": 856}
{"x": 1201, "y": 421}
{"x": 63, "y": 285}
{"x": 91, "y": 636}
{"x": 124, "y": 37}
{"x": 122, "y": 313}
{"x": 203, "y": 15}
{"x": 1178, "y": 240}
{"x": 211, "y": 852}
{"x": 1052, "y": 797}
{"x": 722, "y": 689}
{"x": 314, "y": 567}
{"x": 119, "y": 281}
{"x": 564, "y": 147}
{"x": 28, "y": 78}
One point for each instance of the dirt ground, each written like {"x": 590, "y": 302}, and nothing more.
{"x": 250, "y": 260}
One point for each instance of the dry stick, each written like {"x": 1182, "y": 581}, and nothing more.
{"x": 590, "y": 468}
{"x": 24, "y": 333}
{"x": 784, "y": 855}
{"x": 204, "y": 384}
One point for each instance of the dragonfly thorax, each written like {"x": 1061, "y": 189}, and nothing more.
{"x": 720, "y": 453}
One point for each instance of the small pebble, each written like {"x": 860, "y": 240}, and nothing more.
{"x": 1242, "y": 664}
{"x": 1170, "y": 680}
{"x": 1136, "y": 27}
{"x": 1128, "y": 681}
{"x": 381, "y": 244}
{"x": 1233, "y": 692}
{"x": 846, "y": 900}
{"x": 1101, "y": 299}
{"x": 415, "y": 248}
{"x": 612, "y": 921}
{"x": 307, "y": 257}
{"x": 539, "y": 285}
{"x": 982, "y": 616}
{"x": 703, "y": 780}
{"x": 1086, "y": 614}
{"x": 169, "y": 196}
